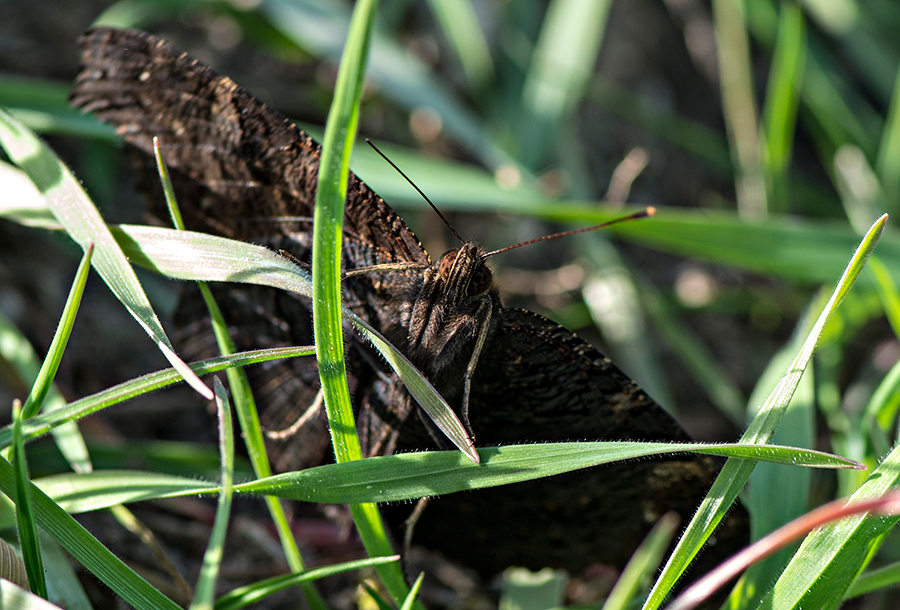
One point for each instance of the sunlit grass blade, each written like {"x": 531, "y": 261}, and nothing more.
{"x": 331, "y": 194}
{"x": 245, "y": 404}
{"x": 55, "y": 353}
{"x": 87, "y": 550}
{"x": 406, "y": 476}
{"x": 84, "y": 224}
{"x": 739, "y": 107}
{"x": 28, "y": 538}
{"x": 562, "y": 62}
{"x": 414, "y": 475}
{"x": 828, "y": 515}
{"x": 830, "y": 558}
{"x": 734, "y": 474}
{"x": 250, "y": 594}
{"x": 41, "y": 424}
{"x": 636, "y": 576}
{"x": 204, "y": 593}
{"x": 782, "y": 99}
{"x": 791, "y": 485}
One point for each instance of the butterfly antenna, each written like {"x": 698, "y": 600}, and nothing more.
{"x": 424, "y": 196}
{"x": 650, "y": 211}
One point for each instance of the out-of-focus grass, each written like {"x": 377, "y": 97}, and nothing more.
{"x": 800, "y": 156}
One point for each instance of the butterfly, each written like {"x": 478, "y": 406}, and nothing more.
{"x": 243, "y": 171}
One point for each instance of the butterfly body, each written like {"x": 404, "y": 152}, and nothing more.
{"x": 243, "y": 171}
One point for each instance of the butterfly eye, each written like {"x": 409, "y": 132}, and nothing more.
{"x": 447, "y": 263}
{"x": 481, "y": 280}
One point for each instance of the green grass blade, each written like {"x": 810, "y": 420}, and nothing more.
{"x": 831, "y": 557}
{"x": 84, "y": 224}
{"x": 28, "y": 538}
{"x": 83, "y": 407}
{"x": 205, "y": 591}
{"x": 562, "y": 62}
{"x": 250, "y": 594}
{"x": 637, "y": 574}
{"x": 87, "y": 550}
{"x": 734, "y": 474}
{"x": 460, "y": 24}
{"x": 55, "y": 353}
{"x": 326, "y": 263}
{"x": 25, "y": 365}
{"x": 406, "y": 476}
{"x": 887, "y": 163}
{"x": 738, "y": 104}
{"x": 245, "y": 404}
{"x": 782, "y": 100}
{"x": 415, "y": 475}
{"x": 882, "y": 578}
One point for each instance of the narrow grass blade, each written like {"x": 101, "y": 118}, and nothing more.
{"x": 887, "y": 163}
{"x": 410, "y": 601}
{"x": 24, "y": 363}
{"x": 738, "y": 104}
{"x": 250, "y": 594}
{"x": 245, "y": 404}
{"x": 563, "y": 60}
{"x": 28, "y": 538}
{"x": 734, "y": 474}
{"x": 882, "y": 578}
{"x": 83, "y": 407}
{"x": 87, "y": 550}
{"x": 406, "y": 476}
{"x": 204, "y": 592}
{"x": 414, "y": 475}
{"x": 84, "y": 224}
{"x": 636, "y": 576}
{"x": 782, "y": 100}
{"x": 460, "y": 24}
{"x": 54, "y": 354}
{"x": 331, "y": 194}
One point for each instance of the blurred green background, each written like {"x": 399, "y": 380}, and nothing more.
{"x": 766, "y": 134}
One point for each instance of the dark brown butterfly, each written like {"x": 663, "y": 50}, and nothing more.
{"x": 244, "y": 171}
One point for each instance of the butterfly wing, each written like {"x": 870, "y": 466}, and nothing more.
{"x": 538, "y": 382}
{"x": 242, "y": 170}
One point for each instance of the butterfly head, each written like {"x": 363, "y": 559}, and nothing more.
{"x": 465, "y": 273}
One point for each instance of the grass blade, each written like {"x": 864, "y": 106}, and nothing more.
{"x": 28, "y": 538}
{"x": 734, "y": 474}
{"x": 204, "y": 592}
{"x": 84, "y": 224}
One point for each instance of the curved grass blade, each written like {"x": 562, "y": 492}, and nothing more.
{"x": 406, "y": 476}
{"x": 244, "y": 402}
{"x": 28, "y": 538}
{"x": 734, "y": 474}
{"x": 204, "y": 592}
{"x": 83, "y": 222}
{"x": 41, "y": 424}
{"x": 250, "y": 594}
{"x": 87, "y": 550}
